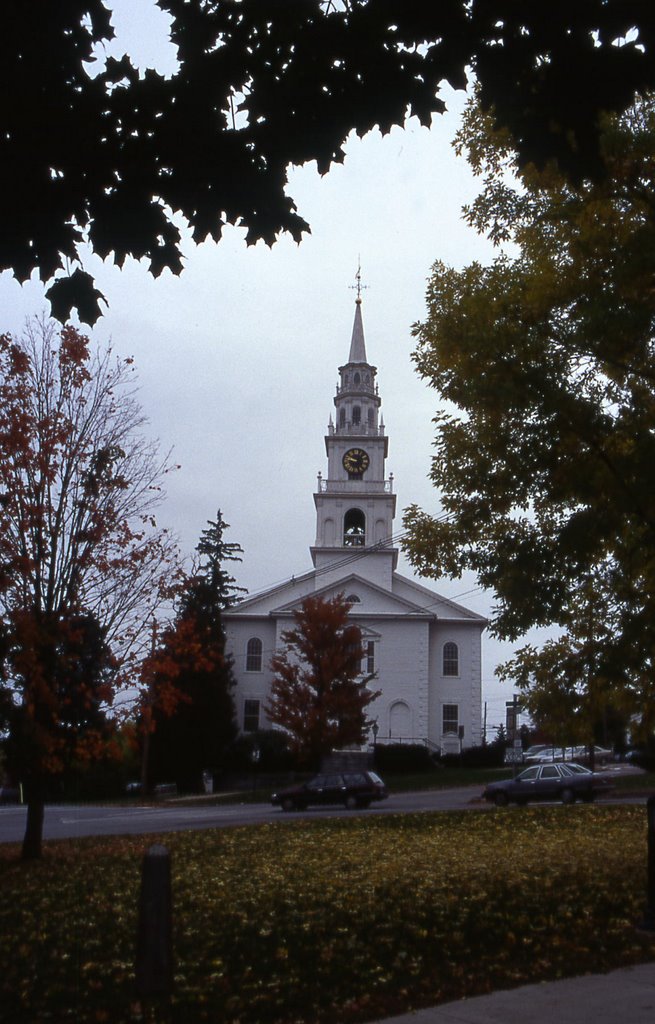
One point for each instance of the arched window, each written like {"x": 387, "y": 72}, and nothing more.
{"x": 450, "y": 659}
{"x": 400, "y": 720}
{"x": 357, "y": 379}
{"x": 254, "y": 651}
{"x": 342, "y": 417}
{"x": 354, "y": 528}
{"x": 357, "y": 415}
{"x": 353, "y": 599}
{"x": 371, "y": 417}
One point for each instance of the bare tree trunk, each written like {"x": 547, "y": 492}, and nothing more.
{"x": 32, "y": 840}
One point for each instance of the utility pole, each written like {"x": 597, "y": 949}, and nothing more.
{"x": 147, "y": 713}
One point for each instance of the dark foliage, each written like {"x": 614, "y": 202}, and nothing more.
{"x": 397, "y": 758}
{"x": 266, "y": 750}
{"x": 202, "y": 726}
{"x": 260, "y": 86}
{"x": 489, "y": 756}
{"x": 78, "y": 663}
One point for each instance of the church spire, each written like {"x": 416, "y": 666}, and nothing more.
{"x": 357, "y": 344}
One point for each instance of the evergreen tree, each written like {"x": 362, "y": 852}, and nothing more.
{"x": 202, "y": 725}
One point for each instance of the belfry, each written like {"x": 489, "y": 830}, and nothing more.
{"x": 424, "y": 648}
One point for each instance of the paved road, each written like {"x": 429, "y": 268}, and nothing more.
{"x": 67, "y": 821}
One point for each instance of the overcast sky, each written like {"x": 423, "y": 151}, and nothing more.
{"x": 238, "y": 357}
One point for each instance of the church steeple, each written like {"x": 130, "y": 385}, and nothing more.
{"x": 357, "y": 344}
{"x": 357, "y": 400}
{"x": 355, "y": 504}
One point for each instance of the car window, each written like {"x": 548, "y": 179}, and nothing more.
{"x": 374, "y": 777}
{"x": 528, "y": 775}
{"x": 317, "y": 783}
{"x": 577, "y": 769}
{"x": 355, "y": 779}
{"x": 549, "y": 771}
{"x": 333, "y": 781}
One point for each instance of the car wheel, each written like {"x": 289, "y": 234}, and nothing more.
{"x": 288, "y": 804}
{"x": 500, "y": 799}
{"x": 351, "y": 803}
{"x": 567, "y": 796}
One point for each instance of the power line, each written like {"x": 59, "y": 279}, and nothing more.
{"x": 356, "y": 554}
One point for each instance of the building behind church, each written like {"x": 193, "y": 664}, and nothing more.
{"x": 424, "y": 648}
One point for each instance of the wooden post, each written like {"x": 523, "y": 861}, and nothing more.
{"x": 154, "y": 954}
{"x": 648, "y": 922}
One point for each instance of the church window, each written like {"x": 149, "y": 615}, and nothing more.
{"x": 353, "y": 599}
{"x": 371, "y": 417}
{"x": 254, "y": 651}
{"x": 250, "y": 715}
{"x": 357, "y": 378}
{"x": 357, "y": 415}
{"x": 450, "y": 659}
{"x": 354, "y": 528}
{"x": 400, "y": 720}
{"x": 342, "y": 417}
{"x": 450, "y": 721}
{"x": 368, "y": 661}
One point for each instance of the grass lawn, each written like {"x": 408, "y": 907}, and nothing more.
{"x": 343, "y": 919}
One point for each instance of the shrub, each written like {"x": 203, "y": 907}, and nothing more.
{"x": 403, "y": 757}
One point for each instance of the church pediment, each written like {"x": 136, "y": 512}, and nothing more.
{"x": 366, "y": 598}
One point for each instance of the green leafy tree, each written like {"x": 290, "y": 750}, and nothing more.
{"x": 545, "y": 447}
{"x": 196, "y": 730}
{"x": 82, "y": 562}
{"x": 319, "y": 696}
{"x": 572, "y": 693}
{"x": 112, "y": 158}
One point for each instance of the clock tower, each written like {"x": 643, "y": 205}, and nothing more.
{"x": 355, "y": 504}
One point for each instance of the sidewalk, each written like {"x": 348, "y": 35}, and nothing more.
{"x": 626, "y": 995}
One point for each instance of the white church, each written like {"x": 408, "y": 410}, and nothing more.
{"x": 424, "y": 648}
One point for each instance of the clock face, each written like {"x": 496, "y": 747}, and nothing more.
{"x": 355, "y": 461}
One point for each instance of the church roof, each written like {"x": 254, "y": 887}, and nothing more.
{"x": 407, "y": 599}
{"x": 357, "y": 344}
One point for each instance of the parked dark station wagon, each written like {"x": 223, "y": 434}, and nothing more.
{"x": 565, "y": 781}
{"x": 352, "y": 789}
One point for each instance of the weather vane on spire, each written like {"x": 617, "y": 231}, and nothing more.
{"x": 358, "y": 277}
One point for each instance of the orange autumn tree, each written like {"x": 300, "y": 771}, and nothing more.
{"x": 83, "y": 565}
{"x": 319, "y": 695}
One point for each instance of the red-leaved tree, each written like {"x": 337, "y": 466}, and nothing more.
{"x": 83, "y": 565}
{"x": 319, "y": 695}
